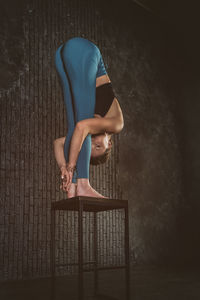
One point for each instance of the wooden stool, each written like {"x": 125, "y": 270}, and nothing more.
{"x": 95, "y": 205}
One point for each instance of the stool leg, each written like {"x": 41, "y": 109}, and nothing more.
{"x": 95, "y": 256}
{"x": 127, "y": 262}
{"x": 52, "y": 254}
{"x": 80, "y": 252}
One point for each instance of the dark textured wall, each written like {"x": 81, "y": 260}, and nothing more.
{"x": 33, "y": 115}
{"x": 151, "y": 80}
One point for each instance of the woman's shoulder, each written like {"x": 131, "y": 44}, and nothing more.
{"x": 115, "y": 109}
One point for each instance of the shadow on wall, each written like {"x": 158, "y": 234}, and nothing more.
{"x": 150, "y": 69}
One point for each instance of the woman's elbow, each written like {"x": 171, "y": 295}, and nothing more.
{"x": 81, "y": 126}
{"x": 56, "y": 142}
{"x": 122, "y": 125}
{"x": 59, "y": 141}
{"x": 119, "y": 127}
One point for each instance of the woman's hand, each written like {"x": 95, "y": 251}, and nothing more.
{"x": 66, "y": 176}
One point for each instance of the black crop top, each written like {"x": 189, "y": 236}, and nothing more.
{"x": 104, "y": 98}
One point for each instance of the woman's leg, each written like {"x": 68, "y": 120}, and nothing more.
{"x": 84, "y": 156}
{"x": 79, "y": 59}
{"x": 68, "y": 101}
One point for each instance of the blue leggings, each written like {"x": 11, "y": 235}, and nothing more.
{"x": 78, "y": 63}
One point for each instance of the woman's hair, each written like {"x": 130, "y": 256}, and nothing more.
{"x": 101, "y": 159}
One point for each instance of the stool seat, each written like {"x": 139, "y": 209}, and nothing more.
{"x": 89, "y": 204}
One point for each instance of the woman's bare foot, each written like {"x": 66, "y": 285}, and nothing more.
{"x": 84, "y": 189}
{"x": 72, "y": 191}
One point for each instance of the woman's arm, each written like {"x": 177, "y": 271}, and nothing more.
{"x": 59, "y": 151}
{"x": 66, "y": 176}
{"x": 90, "y": 126}
{"x": 82, "y": 129}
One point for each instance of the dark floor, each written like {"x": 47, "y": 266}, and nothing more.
{"x": 147, "y": 283}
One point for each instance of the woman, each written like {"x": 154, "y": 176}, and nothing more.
{"x": 93, "y": 114}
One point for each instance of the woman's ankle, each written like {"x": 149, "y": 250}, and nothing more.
{"x": 83, "y": 182}
{"x": 84, "y": 189}
{"x": 72, "y": 190}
